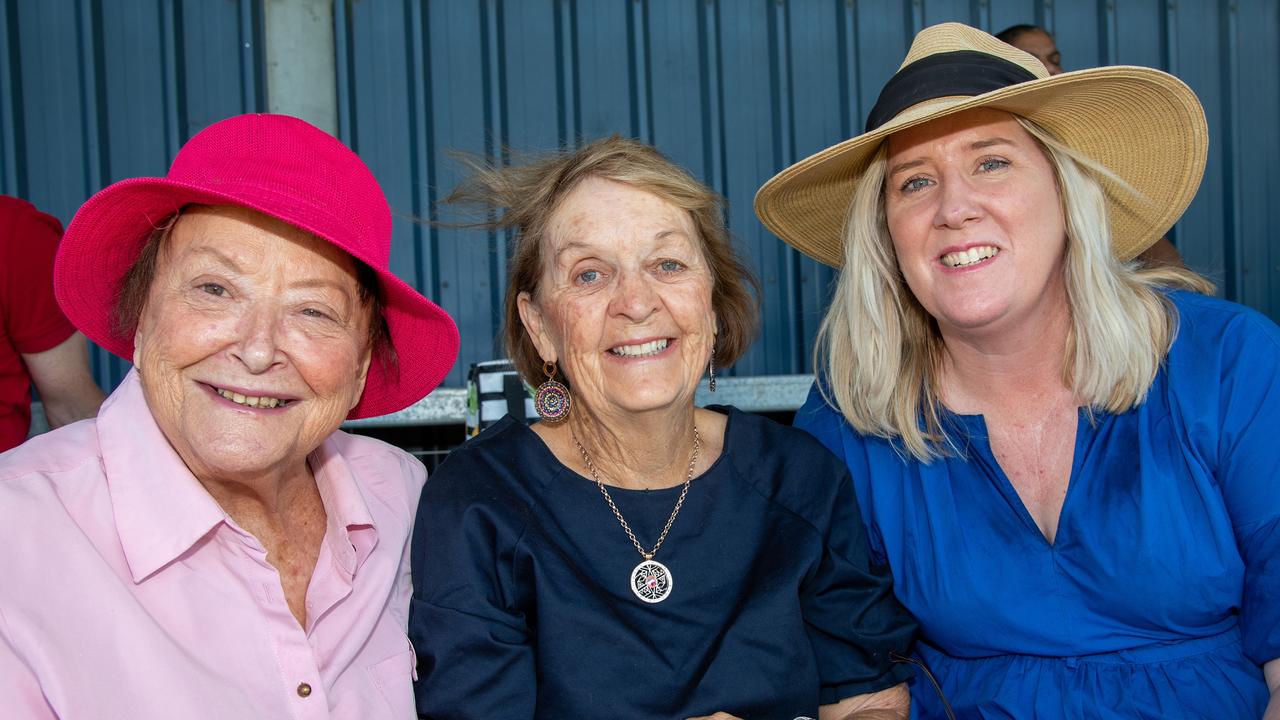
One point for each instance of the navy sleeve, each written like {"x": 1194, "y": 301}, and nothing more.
{"x": 826, "y": 424}
{"x": 853, "y": 619}
{"x": 475, "y": 658}
{"x": 1248, "y": 471}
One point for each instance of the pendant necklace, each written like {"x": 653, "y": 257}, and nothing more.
{"x": 651, "y": 581}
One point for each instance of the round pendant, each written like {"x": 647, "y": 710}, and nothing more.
{"x": 651, "y": 581}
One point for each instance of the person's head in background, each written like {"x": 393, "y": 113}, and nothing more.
{"x": 1036, "y": 41}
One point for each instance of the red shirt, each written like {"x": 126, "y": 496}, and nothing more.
{"x": 30, "y": 320}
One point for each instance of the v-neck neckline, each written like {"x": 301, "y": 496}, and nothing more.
{"x": 978, "y": 437}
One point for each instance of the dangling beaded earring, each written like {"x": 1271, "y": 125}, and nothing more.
{"x": 552, "y": 398}
{"x": 711, "y": 372}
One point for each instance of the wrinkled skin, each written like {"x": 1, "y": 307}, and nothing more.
{"x": 623, "y": 266}
{"x": 244, "y": 302}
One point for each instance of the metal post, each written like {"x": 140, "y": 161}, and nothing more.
{"x": 301, "y": 73}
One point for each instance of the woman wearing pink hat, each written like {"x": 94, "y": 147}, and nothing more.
{"x": 212, "y": 546}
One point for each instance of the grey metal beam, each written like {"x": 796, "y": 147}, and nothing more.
{"x": 301, "y": 75}
{"x": 773, "y": 393}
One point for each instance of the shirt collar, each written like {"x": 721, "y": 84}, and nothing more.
{"x": 351, "y": 533}
{"x": 161, "y": 510}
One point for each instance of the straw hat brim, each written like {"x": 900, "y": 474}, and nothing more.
{"x": 1142, "y": 124}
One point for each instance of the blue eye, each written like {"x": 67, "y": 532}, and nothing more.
{"x": 914, "y": 184}
{"x": 588, "y": 276}
{"x": 670, "y": 266}
{"x": 214, "y": 289}
{"x": 993, "y": 164}
{"x": 314, "y": 313}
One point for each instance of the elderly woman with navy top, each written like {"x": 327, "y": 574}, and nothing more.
{"x": 1067, "y": 459}
{"x": 632, "y": 555}
{"x": 212, "y": 546}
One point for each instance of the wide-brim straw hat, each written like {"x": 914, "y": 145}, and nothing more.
{"x": 1144, "y": 125}
{"x": 282, "y": 167}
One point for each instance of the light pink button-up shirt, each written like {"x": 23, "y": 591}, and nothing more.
{"x": 126, "y": 591}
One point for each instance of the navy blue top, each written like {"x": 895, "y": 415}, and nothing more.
{"x": 1161, "y": 594}
{"x": 522, "y": 605}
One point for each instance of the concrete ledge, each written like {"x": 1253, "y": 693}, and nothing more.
{"x": 763, "y": 393}
{"x": 448, "y": 406}
{"x": 445, "y": 406}
{"x": 766, "y": 393}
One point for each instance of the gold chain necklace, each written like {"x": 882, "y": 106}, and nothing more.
{"x": 651, "y": 581}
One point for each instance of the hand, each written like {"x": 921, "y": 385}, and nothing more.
{"x": 890, "y": 704}
{"x": 880, "y": 715}
{"x": 1272, "y": 672}
{"x": 717, "y": 716}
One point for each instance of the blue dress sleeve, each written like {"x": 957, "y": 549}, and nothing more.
{"x": 475, "y": 655}
{"x": 1248, "y": 470}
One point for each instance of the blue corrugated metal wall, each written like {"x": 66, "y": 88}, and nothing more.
{"x": 94, "y": 90}
{"x": 736, "y": 89}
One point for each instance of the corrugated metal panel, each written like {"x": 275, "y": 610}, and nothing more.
{"x": 736, "y": 89}
{"x": 92, "y": 92}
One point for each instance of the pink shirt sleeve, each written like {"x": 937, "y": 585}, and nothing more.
{"x": 20, "y": 694}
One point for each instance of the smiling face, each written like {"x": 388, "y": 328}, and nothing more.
{"x": 624, "y": 299}
{"x": 972, "y": 206}
{"x": 253, "y": 344}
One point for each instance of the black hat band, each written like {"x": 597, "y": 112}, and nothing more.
{"x": 962, "y": 72}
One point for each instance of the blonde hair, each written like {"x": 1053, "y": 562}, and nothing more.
{"x": 880, "y": 353}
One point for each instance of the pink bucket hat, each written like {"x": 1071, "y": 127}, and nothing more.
{"x": 282, "y": 167}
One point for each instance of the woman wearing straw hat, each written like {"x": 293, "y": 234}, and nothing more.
{"x": 1066, "y": 458}
{"x": 211, "y": 546}
{"x": 632, "y": 555}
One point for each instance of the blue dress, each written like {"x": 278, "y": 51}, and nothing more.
{"x": 1160, "y": 597}
{"x": 522, "y": 605}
